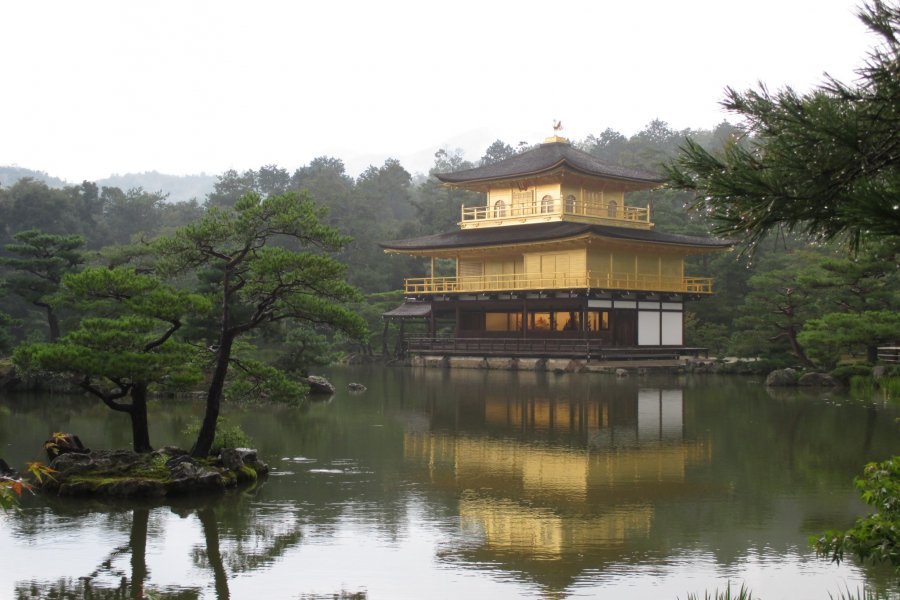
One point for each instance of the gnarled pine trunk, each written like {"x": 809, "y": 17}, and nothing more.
{"x": 214, "y": 399}
{"x": 140, "y": 429}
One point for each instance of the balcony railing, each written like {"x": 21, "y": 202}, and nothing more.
{"x": 557, "y": 281}
{"x": 552, "y": 209}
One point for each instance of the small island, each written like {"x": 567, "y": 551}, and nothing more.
{"x": 167, "y": 472}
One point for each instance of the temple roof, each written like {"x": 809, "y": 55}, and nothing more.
{"x": 544, "y": 159}
{"x": 409, "y": 309}
{"x": 543, "y": 232}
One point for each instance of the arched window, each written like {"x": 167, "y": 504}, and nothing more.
{"x": 499, "y": 209}
{"x": 546, "y": 204}
{"x": 570, "y": 204}
{"x": 612, "y": 209}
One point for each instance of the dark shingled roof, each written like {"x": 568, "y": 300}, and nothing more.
{"x": 542, "y": 232}
{"x": 409, "y": 309}
{"x": 544, "y": 158}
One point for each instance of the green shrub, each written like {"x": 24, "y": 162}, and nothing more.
{"x": 227, "y": 436}
{"x": 862, "y": 386}
{"x": 875, "y": 537}
{"x": 231, "y": 437}
{"x": 845, "y": 373}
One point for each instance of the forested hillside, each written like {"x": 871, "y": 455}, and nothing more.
{"x": 177, "y": 188}
{"x": 10, "y": 175}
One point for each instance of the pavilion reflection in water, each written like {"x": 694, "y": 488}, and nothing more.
{"x": 543, "y": 478}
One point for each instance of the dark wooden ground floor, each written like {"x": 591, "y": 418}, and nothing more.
{"x": 576, "y": 324}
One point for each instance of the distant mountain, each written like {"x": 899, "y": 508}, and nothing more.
{"x": 180, "y": 188}
{"x": 10, "y": 175}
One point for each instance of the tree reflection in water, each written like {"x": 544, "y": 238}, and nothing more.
{"x": 94, "y": 585}
{"x": 248, "y": 546}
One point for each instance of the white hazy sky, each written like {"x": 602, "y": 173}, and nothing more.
{"x": 92, "y": 88}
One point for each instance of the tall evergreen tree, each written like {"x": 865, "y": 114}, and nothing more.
{"x": 496, "y": 152}
{"x": 120, "y": 354}
{"x": 259, "y": 282}
{"x": 774, "y": 311}
{"x": 38, "y": 262}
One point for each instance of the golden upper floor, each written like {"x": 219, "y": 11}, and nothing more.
{"x": 552, "y": 182}
{"x": 547, "y": 203}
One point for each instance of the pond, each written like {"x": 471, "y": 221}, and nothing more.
{"x": 462, "y": 483}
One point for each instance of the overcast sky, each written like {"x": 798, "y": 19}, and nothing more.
{"x": 95, "y": 88}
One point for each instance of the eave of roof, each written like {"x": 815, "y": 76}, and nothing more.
{"x": 543, "y": 232}
{"x": 409, "y": 310}
{"x": 545, "y": 159}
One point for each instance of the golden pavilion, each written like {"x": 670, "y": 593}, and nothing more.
{"x": 553, "y": 264}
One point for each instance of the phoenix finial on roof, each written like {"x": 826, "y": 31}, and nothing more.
{"x": 557, "y": 125}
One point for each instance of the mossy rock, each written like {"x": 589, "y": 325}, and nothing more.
{"x": 782, "y": 378}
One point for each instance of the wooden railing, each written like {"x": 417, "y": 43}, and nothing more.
{"x": 889, "y": 354}
{"x": 539, "y": 210}
{"x": 557, "y": 281}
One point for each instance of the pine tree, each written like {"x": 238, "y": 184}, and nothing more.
{"x": 260, "y": 282}
{"x": 119, "y": 355}
{"x": 824, "y": 163}
{"x": 38, "y": 262}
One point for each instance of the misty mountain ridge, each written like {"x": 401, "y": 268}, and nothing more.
{"x": 180, "y": 188}
{"x": 9, "y": 175}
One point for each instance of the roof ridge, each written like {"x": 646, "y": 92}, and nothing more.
{"x": 544, "y": 158}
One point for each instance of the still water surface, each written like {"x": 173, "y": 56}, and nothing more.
{"x": 472, "y": 484}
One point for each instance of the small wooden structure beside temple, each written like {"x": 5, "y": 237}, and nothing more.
{"x": 554, "y": 264}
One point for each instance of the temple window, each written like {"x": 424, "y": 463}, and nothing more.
{"x": 597, "y": 320}
{"x": 546, "y": 204}
{"x": 499, "y": 209}
{"x": 503, "y": 321}
{"x": 539, "y": 321}
{"x": 567, "y": 321}
{"x": 611, "y": 209}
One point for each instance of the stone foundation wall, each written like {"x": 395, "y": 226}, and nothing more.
{"x": 554, "y": 365}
